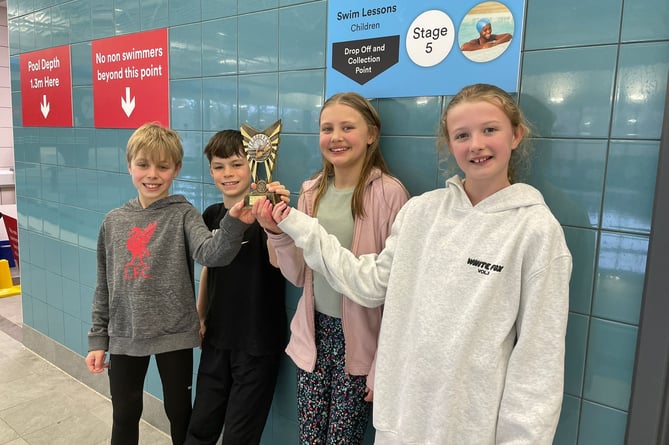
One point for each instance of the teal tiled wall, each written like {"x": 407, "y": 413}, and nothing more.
{"x": 594, "y": 78}
{"x": 593, "y": 81}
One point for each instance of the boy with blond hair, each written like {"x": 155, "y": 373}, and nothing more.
{"x": 144, "y": 301}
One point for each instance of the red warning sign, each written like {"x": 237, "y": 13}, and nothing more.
{"x": 46, "y": 88}
{"x": 131, "y": 80}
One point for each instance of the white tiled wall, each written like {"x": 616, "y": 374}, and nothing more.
{"x": 7, "y": 194}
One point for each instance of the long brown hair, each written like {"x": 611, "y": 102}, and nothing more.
{"x": 373, "y": 156}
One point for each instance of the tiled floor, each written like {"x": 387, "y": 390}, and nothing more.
{"x": 42, "y": 405}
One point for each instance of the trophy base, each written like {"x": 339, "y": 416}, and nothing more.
{"x": 251, "y": 198}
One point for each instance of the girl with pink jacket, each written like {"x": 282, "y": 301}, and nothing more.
{"x": 333, "y": 340}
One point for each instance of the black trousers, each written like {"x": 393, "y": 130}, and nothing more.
{"x": 234, "y": 389}
{"x": 126, "y": 383}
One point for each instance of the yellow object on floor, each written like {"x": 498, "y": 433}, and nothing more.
{"x": 7, "y": 287}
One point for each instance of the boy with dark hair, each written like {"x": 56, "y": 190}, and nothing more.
{"x": 242, "y": 317}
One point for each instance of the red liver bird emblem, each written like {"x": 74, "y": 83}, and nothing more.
{"x": 137, "y": 241}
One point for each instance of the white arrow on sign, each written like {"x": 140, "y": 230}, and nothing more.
{"x": 45, "y": 106}
{"x": 127, "y": 103}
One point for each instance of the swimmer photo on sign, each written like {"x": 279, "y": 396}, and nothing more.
{"x": 486, "y": 31}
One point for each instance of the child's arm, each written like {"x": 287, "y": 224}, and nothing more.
{"x": 362, "y": 279}
{"x": 221, "y": 248}
{"x": 98, "y": 338}
{"x": 501, "y": 38}
{"x": 535, "y": 373}
{"x": 273, "y": 260}
{"x": 288, "y": 257}
{"x": 242, "y": 213}
{"x": 202, "y": 302}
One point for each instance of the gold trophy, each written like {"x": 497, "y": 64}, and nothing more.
{"x": 261, "y": 147}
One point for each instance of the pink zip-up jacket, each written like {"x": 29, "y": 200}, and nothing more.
{"x": 383, "y": 198}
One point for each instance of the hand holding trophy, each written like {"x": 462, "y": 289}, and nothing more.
{"x": 261, "y": 147}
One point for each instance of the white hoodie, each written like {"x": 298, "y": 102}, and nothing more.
{"x": 471, "y": 348}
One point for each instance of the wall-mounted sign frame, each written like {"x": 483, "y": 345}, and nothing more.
{"x": 46, "y": 87}
{"x": 425, "y": 48}
{"x": 131, "y": 80}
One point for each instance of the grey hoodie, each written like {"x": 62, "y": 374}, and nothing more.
{"x": 472, "y": 340}
{"x": 144, "y": 301}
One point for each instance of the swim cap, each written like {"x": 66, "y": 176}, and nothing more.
{"x": 481, "y": 23}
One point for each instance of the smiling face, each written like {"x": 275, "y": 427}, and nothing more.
{"x": 152, "y": 178}
{"x": 486, "y": 32}
{"x": 232, "y": 177}
{"x": 481, "y": 139}
{"x": 344, "y": 137}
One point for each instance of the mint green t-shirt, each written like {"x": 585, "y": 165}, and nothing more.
{"x": 334, "y": 214}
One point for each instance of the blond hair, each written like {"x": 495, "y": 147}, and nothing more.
{"x": 496, "y": 96}
{"x": 156, "y": 143}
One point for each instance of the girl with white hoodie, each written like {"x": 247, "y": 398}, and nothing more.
{"x": 474, "y": 279}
